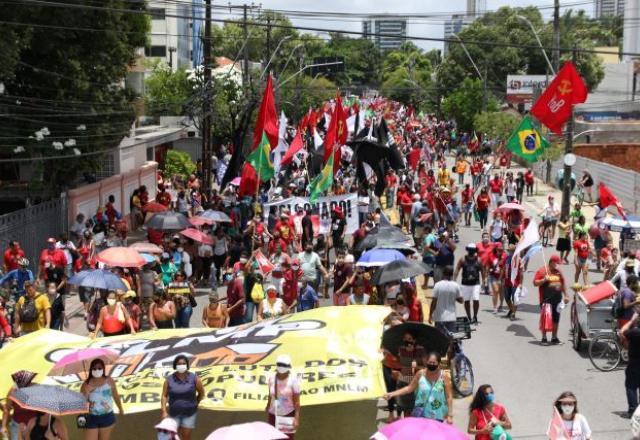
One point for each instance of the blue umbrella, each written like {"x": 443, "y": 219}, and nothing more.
{"x": 216, "y": 216}
{"x": 98, "y": 279}
{"x": 379, "y": 257}
{"x": 148, "y": 258}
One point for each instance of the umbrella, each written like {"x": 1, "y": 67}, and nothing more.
{"x": 512, "y": 206}
{"x": 379, "y": 257}
{"x": 197, "y": 235}
{"x": 406, "y": 249}
{"x": 428, "y": 337}
{"x": 50, "y": 399}
{"x": 419, "y": 428}
{"x": 148, "y": 257}
{"x": 145, "y": 246}
{"x": 121, "y": 257}
{"x": 75, "y": 362}
{"x": 616, "y": 224}
{"x": 383, "y": 234}
{"x": 154, "y": 207}
{"x": 168, "y": 221}
{"x": 216, "y": 216}
{"x": 199, "y": 221}
{"x": 235, "y": 182}
{"x": 253, "y": 431}
{"x": 399, "y": 269}
{"x": 97, "y": 279}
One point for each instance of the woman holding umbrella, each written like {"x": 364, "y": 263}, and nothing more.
{"x": 101, "y": 392}
{"x": 17, "y": 421}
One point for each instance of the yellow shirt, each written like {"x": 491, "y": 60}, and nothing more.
{"x": 42, "y": 305}
{"x": 443, "y": 176}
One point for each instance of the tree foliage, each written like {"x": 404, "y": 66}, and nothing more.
{"x": 298, "y": 96}
{"x": 498, "y": 124}
{"x": 178, "y": 163}
{"x": 466, "y": 102}
{"x": 406, "y": 75}
{"x": 167, "y": 92}
{"x": 68, "y": 81}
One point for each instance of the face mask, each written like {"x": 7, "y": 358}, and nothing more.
{"x": 491, "y": 397}
{"x": 432, "y": 367}
{"x": 51, "y": 291}
{"x": 282, "y": 370}
{"x": 180, "y": 249}
{"x": 181, "y": 368}
{"x": 111, "y": 302}
{"x": 243, "y": 261}
{"x": 567, "y": 409}
{"x": 165, "y": 436}
{"x": 295, "y": 267}
{"x": 97, "y": 373}
{"x": 308, "y": 250}
{"x": 272, "y": 295}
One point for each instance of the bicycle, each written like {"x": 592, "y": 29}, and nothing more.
{"x": 546, "y": 231}
{"x": 606, "y": 350}
{"x": 578, "y": 193}
{"x": 462, "y": 376}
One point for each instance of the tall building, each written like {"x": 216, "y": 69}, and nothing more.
{"x": 630, "y": 30}
{"x": 454, "y": 26}
{"x": 603, "y": 8}
{"x": 175, "y": 32}
{"x": 396, "y": 30}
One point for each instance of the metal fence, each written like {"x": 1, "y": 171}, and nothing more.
{"x": 625, "y": 184}
{"x": 33, "y": 225}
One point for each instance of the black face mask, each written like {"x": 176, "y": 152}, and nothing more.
{"x": 432, "y": 367}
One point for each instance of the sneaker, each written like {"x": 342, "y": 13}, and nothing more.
{"x": 555, "y": 341}
{"x": 495, "y": 311}
{"x": 512, "y": 317}
{"x": 475, "y": 321}
{"x": 508, "y": 315}
{"x": 544, "y": 341}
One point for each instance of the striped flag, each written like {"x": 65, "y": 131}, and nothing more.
{"x": 322, "y": 181}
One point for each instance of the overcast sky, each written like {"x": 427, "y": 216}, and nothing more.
{"x": 422, "y": 27}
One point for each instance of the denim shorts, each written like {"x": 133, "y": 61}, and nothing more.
{"x": 95, "y": 421}
{"x": 188, "y": 422}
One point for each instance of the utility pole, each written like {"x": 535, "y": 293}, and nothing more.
{"x": 556, "y": 35}
{"x": 245, "y": 50}
{"x": 268, "y": 54}
{"x": 207, "y": 117}
{"x": 568, "y": 148}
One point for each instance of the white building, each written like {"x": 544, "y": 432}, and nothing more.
{"x": 394, "y": 32}
{"x": 631, "y": 30}
{"x": 603, "y": 8}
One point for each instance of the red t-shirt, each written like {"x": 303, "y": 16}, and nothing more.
{"x": 56, "y": 257}
{"x": 11, "y": 258}
{"x": 467, "y": 195}
{"x": 235, "y": 292}
{"x": 504, "y": 160}
{"x": 290, "y": 285}
{"x": 164, "y": 198}
{"x": 496, "y": 186}
{"x": 476, "y": 168}
{"x": 286, "y": 231}
{"x": 582, "y": 248}
{"x": 406, "y": 203}
{"x": 605, "y": 253}
{"x": 483, "y": 417}
{"x": 528, "y": 178}
{"x": 277, "y": 241}
{"x": 541, "y": 273}
{"x": 392, "y": 180}
{"x": 482, "y": 202}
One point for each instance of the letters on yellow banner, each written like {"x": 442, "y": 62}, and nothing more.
{"x": 334, "y": 351}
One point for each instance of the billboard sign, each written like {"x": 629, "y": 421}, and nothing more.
{"x": 520, "y": 87}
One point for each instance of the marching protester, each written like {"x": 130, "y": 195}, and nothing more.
{"x": 101, "y": 392}
{"x": 574, "y": 423}
{"x": 182, "y": 392}
{"x": 488, "y": 419}
{"x": 283, "y": 404}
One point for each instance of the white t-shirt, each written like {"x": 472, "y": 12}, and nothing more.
{"x": 286, "y": 390}
{"x": 65, "y": 248}
{"x": 309, "y": 264}
{"x": 510, "y": 189}
{"x": 446, "y": 292}
{"x": 578, "y": 428}
{"x": 497, "y": 229}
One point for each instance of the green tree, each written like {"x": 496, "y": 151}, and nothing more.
{"x": 167, "y": 92}
{"x": 299, "y": 96}
{"x": 362, "y": 60}
{"x": 68, "y": 81}
{"x": 466, "y": 102}
{"x": 178, "y": 163}
{"x": 496, "y": 124}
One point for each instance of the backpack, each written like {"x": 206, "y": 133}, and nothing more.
{"x": 28, "y": 311}
{"x": 617, "y": 309}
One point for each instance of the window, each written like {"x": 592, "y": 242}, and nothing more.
{"x": 156, "y": 13}
{"x": 155, "y": 51}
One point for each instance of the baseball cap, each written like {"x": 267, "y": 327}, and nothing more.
{"x": 51, "y": 240}
{"x": 555, "y": 258}
{"x": 284, "y": 360}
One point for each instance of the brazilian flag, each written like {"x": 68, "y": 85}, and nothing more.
{"x": 526, "y": 141}
{"x": 322, "y": 181}
{"x": 261, "y": 161}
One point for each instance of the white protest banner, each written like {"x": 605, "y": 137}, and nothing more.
{"x": 322, "y": 207}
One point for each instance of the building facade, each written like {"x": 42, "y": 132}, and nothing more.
{"x": 394, "y": 32}
{"x": 603, "y": 8}
{"x": 454, "y": 26}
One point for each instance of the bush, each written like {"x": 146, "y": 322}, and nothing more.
{"x": 178, "y": 163}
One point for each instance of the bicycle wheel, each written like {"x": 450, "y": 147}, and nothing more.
{"x": 604, "y": 352}
{"x": 462, "y": 375}
{"x": 545, "y": 237}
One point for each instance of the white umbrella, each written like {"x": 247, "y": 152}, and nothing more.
{"x": 617, "y": 224}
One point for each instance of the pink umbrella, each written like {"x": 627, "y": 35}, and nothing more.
{"x": 506, "y": 207}
{"x": 121, "y": 257}
{"x": 253, "y": 431}
{"x": 146, "y": 247}
{"x": 418, "y": 428}
{"x": 199, "y": 221}
{"x": 197, "y": 235}
{"x": 75, "y": 362}
{"x": 235, "y": 182}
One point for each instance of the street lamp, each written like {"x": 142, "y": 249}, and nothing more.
{"x": 305, "y": 68}
{"x": 535, "y": 34}
{"x": 593, "y": 130}
{"x": 469, "y": 56}
{"x": 266, "y": 68}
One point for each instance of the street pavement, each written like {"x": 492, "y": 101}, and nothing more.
{"x": 526, "y": 376}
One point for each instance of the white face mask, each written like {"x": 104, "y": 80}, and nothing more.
{"x": 181, "y": 368}
{"x": 97, "y": 373}
{"x": 111, "y": 301}
{"x": 567, "y": 409}
{"x": 51, "y": 292}
{"x": 283, "y": 370}
{"x": 243, "y": 260}
{"x": 165, "y": 436}
{"x": 180, "y": 249}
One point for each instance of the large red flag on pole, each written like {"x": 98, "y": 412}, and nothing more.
{"x": 555, "y": 105}
{"x": 296, "y": 145}
{"x": 336, "y": 135}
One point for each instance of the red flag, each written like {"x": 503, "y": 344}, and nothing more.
{"x": 248, "y": 181}
{"x": 296, "y": 145}
{"x": 263, "y": 262}
{"x": 336, "y": 134}
{"x": 267, "y": 119}
{"x": 607, "y": 198}
{"x": 556, "y": 429}
{"x": 313, "y": 119}
{"x": 555, "y": 105}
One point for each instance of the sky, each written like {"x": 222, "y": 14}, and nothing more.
{"x": 419, "y": 26}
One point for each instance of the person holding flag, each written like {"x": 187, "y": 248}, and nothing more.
{"x": 567, "y": 422}
{"x": 551, "y": 293}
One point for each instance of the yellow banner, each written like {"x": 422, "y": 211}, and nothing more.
{"x": 334, "y": 351}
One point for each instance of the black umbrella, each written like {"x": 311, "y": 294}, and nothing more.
{"x": 168, "y": 221}
{"x": 429, "y": 338}
{"x": 50, "y": 399}
{"x": 403, "y": 248}
{"x": 384, "y": 234}
{"x": 399, "y": 269}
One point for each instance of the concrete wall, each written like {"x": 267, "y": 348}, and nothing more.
{"x": 86, "y": 199}
{"x": 625, "y": 156}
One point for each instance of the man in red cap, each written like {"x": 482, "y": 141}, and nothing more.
{"x": 551, "y": 291}
{"x": 51, "y": 258}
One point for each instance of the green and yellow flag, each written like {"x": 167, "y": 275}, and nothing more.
{"x": 322, "y": 181}
{"x": 526, "y": 141}
{"x": 261, "y": 161}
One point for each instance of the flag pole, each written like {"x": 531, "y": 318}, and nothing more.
{"x": 568, "y": 148}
